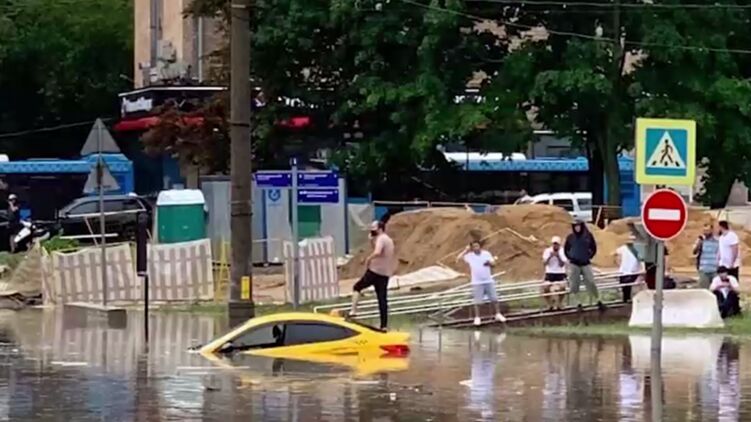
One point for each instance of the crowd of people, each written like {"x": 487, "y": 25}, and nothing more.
{"x": 568, "y": 265}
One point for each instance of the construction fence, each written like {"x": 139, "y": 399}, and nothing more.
{"x": 177, "y": 272}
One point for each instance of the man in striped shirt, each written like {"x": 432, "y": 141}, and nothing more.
{"x": 706, "y": 250}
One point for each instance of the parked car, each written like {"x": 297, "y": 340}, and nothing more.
{"x": 80, "y": 219}
{"x": 578, "y": 204}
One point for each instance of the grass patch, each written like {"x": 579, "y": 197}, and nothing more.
{"x": 737, "y": 326}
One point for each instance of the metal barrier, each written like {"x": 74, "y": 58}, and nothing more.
{"x": 443, "y": 302}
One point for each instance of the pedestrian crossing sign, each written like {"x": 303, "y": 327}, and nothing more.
{"x": 665, "y": 152}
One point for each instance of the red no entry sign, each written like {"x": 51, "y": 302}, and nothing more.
{"x": 664, "y": 214}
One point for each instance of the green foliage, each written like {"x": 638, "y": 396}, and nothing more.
{"x": 60, "y": 62}
{"x": 392, "y": 74}
{"x": 58, "y": 243}
{"x": 392, "y": 69}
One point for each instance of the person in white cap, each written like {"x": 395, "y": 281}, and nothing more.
{"x": 380, "y": 266}
{"x": 555, "y": 274}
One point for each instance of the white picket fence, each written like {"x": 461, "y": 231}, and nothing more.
{"x": 318, "y": 276}
{"x": 181, "y": 271}
{"x": 177, "y": 272}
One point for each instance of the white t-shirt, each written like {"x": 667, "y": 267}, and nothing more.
{"x": 554, "y": 266}
{"x": 717, "y": 284}
{"x": 481, "y": 273}
{"x": 727, "y": 241}
{"x": 629, "y": 263}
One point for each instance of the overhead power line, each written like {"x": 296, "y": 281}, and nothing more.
{"x": 50, "y": 128}
{"x": 574, "y": 34}
{"x": 611, "y": 5}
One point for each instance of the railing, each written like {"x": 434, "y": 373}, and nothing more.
{"x": 441, "y": 302}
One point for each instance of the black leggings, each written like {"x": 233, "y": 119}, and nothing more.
{"x": 729, "y": 305}
{"x": 627, "y": 279}
{"x": 380, "y": 283}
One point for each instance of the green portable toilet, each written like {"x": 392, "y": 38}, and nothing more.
{"x": 180, "y": 216}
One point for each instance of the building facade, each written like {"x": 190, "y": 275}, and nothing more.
{"x": 170, "y": 47}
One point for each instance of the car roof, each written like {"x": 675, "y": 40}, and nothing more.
{"x": 562, "y": 195}
{"x": 299, "y": 316}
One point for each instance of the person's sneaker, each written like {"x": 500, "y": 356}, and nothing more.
{"x": 478, "y": 322}
{"x": 500, "y": 318}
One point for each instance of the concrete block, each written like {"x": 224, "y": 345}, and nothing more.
{"x": 684, "y": 308}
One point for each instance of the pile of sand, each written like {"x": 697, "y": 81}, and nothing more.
{"x": 516, "y": 235}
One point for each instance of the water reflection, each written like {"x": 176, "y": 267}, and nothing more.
{"x": 52, "y": 371}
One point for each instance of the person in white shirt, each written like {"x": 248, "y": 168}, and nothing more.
{"x": 481, "y": 263}
{"x": 629, "y": 267}
{"x": 729, "y": 255}
{"x": 726, "y": 288}
{"x": 555, "y": 274}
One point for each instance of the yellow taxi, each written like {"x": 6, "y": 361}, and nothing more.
{"x": 309, "y": 336}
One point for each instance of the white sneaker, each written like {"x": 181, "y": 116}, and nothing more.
{"x": 500, "y": 318}
{"x": 478, "y": 321}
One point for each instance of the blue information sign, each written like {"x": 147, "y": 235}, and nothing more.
{"x": 305, "y": 179}
{"x": 317, "y": 179}
{"x": 273, "y": 179}
{"x": 318, "y": 196}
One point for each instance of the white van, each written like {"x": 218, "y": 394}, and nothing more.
{"x": 578, "y": 204}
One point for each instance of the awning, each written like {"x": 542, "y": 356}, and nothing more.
{"x": 145, "y": 123}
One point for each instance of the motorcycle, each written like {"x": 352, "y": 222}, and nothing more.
{"x": 30, "y": 234}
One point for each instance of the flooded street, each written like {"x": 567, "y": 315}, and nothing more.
{"x": 52, "y": 371}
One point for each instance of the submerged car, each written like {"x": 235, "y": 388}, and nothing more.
{"x": 309, "y": 336}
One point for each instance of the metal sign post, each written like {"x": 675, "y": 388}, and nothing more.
{"x": 295, "y": 237}
{"x": 656, "y": 358}
{"x": 102, "y": 230}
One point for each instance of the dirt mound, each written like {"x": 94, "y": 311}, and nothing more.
{"x": 517, "y": 235}
{"x": 681, "y": 248}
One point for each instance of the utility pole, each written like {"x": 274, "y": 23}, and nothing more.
{"x": 240, "y": 308}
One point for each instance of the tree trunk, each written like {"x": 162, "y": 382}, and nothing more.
{"x": 612, "y": 172}
{"x": 596, "y": 185}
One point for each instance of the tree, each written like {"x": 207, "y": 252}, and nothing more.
{"x": 603, "y": 66}
{"x": 199, "y": 138}
{"x": 707, "y": 80}
{"x": 60, "y": 62}
{"x": 580, "y": 86}
{"x": 391, "y": 72}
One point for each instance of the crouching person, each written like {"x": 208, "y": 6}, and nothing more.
{"x": 726, "y": 288}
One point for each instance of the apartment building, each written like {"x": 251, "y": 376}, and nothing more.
{"x": 169, "y": 47}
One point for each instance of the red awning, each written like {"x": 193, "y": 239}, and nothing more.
{"x": 145, "y": 123}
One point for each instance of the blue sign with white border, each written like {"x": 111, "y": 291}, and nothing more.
{"x": 317, "y": 179}
{"x": 273, "y": 179}
{"x": 305, "y": 179}
{"x": 318, "y": 196}
{"x": 665, "y": 152}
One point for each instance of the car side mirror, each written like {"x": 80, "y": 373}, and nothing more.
{"x": 227, "y": 347}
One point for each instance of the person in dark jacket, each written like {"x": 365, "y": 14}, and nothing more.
{"x": 580, "y": 248}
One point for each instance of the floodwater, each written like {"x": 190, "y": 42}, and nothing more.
{"x": 53, "y": 372}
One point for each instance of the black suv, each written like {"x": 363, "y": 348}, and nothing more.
{"x": 80, "y": 218}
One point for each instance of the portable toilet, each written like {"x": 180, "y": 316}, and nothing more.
{"x": 180, "y": 216}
